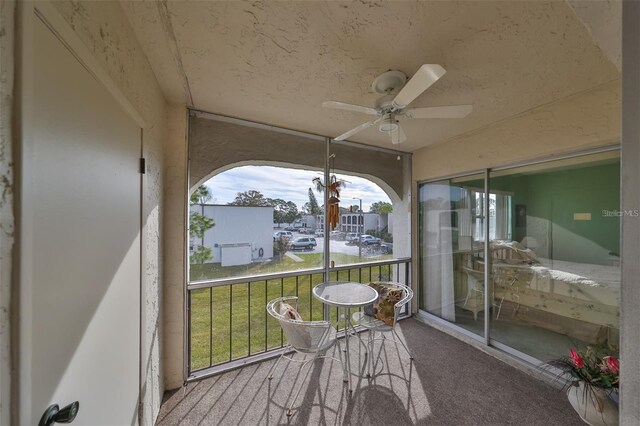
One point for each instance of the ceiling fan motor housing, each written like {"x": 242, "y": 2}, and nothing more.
{"x": 384, "y": 104}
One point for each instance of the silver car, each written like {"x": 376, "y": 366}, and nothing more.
{"x": 303, "y": 243}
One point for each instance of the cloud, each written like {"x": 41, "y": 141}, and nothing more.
{"x": 289, "y": 185}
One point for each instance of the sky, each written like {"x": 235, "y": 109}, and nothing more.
{"x": 289, "y": 185}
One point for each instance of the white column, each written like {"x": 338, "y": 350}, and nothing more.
{"x": 630, "y": 292}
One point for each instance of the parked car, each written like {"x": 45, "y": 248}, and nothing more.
{"x": 286, "y": 234}
{"x": 337, "y": 235}
{"x": 303, "y": 243}
{"x": 352, "y": 238}
{"x": 291, "y": 228}
{"x": 369, "y": 240}
{"x": 319, "y": 232}
{"x": 386, "y": 248}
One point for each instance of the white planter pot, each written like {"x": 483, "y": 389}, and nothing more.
{"x": 593, "y": 405}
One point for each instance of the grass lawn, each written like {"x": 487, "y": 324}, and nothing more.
{"x": 231, "y": 322}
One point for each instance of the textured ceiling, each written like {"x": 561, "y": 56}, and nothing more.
{"x": 276, "y": 62}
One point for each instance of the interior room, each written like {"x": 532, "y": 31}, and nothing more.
{"x": 555, "y": 277}
{"x": 499, "y": 231}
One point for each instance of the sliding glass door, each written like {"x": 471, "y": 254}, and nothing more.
{"x": 451, "y": 223}
{"x": 556, "y": 280}
{"x": 553, "y": 235}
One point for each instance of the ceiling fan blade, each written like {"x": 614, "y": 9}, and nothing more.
{"x": 398, "y": 136}
{"x": 349, "y": 107}
{"x": 426, "y": 75}
{"x": 454, "y": 111}
{"x": 358, "y": 129}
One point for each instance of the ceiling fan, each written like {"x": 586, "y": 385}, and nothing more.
{"x": 394, "y": 104}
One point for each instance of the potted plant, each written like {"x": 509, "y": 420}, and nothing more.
{"x": 593, "y": 376}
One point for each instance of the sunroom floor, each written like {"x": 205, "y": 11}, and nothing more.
{"x": 448, "y": 383}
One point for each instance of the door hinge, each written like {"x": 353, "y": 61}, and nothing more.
{"x": 143, "y": 166}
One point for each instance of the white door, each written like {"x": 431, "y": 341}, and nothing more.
{"x": 80, "y": 243}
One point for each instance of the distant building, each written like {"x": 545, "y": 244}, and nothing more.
{"x": 363, "y": 222}
{"x": 353, "y": 222}
{"x": 241, "y": 234}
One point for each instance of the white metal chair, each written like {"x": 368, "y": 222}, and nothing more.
{"x": 304, "y": 337}
{"x": 505, "y": 278}
{"x": 474, "y": 301}
{"x": 378, "y": 326}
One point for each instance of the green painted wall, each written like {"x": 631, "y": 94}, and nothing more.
{"x": 552, "y": 198}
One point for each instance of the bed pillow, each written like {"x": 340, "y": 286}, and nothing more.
{"x": 383, "y": 308}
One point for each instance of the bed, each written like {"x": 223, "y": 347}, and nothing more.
{"x": 577, "y": 292}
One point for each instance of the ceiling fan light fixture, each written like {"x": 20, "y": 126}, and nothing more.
{"x": 388, "y": 126}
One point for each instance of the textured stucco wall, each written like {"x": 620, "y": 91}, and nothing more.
{"x": 174, "y": 247}
{"x": 217, "y": 145}
{"x": 582, "y": 121}
{"x": 105, "y": 30}
{"x": 6, "y": 201}
{"x": 602, "y": 20}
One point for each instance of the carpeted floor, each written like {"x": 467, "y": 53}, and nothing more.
{"x": 448, "y": 383}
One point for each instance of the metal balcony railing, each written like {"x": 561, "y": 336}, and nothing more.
{"x": 228, "y": 324}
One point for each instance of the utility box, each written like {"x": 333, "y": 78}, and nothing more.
{"x": 235, "y": 254}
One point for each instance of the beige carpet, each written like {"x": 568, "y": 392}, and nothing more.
{"x": 448, "y": 383}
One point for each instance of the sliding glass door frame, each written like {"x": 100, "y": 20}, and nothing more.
{"x": 486, "y": 340}
{"x": 487, "y": 259}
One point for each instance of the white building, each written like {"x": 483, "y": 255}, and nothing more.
{"x": 364, "y": 222}
{"x": 241, "y": 234}
{"x": 349, "y": 222}
{"x": 309, "y": 221}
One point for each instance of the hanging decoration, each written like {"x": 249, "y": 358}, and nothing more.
{"x": 334, "y": 187}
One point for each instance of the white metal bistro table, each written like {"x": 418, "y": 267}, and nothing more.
{"x": 346, "y": 295}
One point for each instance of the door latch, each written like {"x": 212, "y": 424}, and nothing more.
{"x": 53, "y": 414}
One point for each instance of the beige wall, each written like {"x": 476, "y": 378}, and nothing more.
{"x": 583, "y": 121}
{"x": 105, "y": 31}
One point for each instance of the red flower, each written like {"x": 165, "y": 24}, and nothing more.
{"x": 577, "y": 358}
{"x": 612, "y": 364}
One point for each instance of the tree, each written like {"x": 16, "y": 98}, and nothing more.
{"x": 251, "y": 198}
{"x": 201, "y": 255}
{"x": 201, "y": 195}
{"x": 312, "y": 206}
{"x": 381, "y": 207}
{"x": 279, "y": 210}
{"x": 291, "y": 213}
{"x": 284, "y": 211}
{"x": 281, "y": 246}
{"x": 199, "y": 224}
